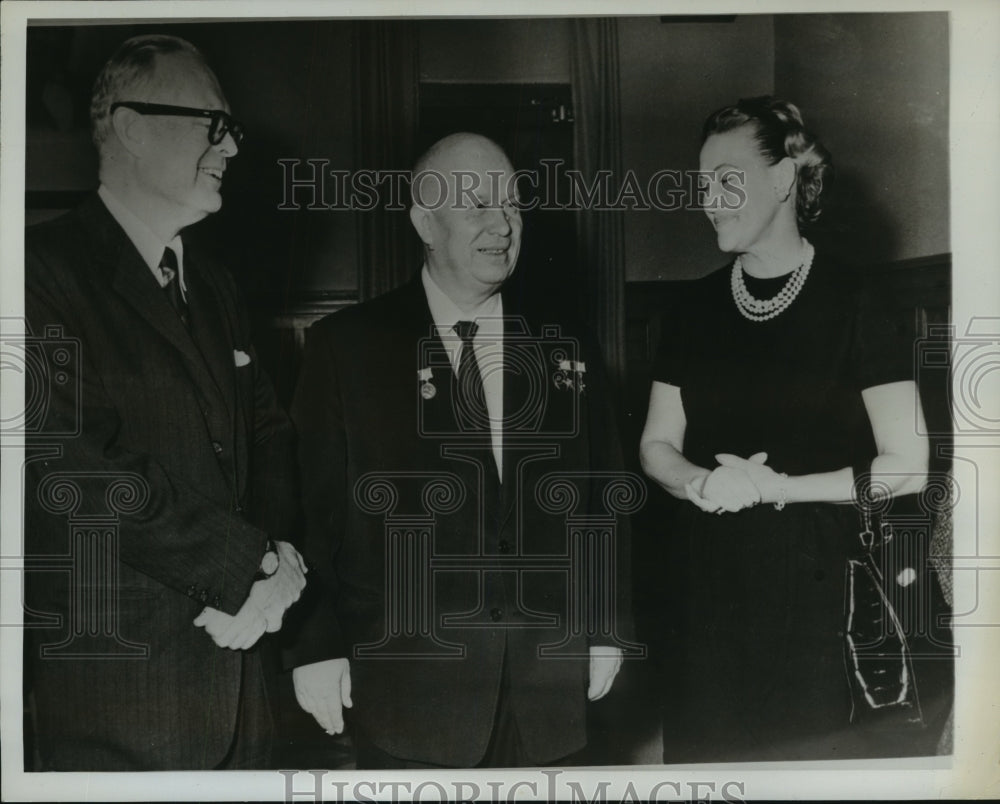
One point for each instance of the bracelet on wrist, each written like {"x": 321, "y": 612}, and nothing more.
{"x": 782, "y": 498}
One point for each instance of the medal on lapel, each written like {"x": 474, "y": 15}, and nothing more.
{"x": 427, "y": 388}
{"x": 570, "y": 375}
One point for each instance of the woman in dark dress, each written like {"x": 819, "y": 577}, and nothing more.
{"x": 773, "y": 384}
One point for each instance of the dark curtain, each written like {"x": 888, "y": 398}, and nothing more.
{"x": 600, "y": 235}
{"x": 386, "y": 81}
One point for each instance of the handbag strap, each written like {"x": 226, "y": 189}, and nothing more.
{"x": 872, "y": 521}
{"x": 863, "y": 500}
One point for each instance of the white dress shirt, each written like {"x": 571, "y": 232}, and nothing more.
{"x": 487, "y": 345}
{"x": 149, "y": 246}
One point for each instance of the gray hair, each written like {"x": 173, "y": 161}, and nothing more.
{"x": 131, "y": 67}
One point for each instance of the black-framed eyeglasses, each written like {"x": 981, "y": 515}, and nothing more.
{"x": 221, "y": 125}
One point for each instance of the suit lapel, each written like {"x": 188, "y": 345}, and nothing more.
{"x": 438, "y": 399}
{"x": 516, "y": 392}
{"x": 438, "y": 421}
{"x": 209, "y": 325}
{"x": 533, "y": 410}
{"x": 134, "y": 282}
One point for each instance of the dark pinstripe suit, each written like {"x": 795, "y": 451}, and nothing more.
{"x": 210, "y": 444}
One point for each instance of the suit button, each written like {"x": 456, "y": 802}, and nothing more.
{"x": 504, "y": 546}
{"x": 496, "y": 615}
{"x": 217, "y": 447}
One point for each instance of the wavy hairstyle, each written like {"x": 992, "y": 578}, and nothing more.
{"x": 779, "y": 132}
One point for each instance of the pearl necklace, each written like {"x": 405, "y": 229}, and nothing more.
{"x": 757, "y": 310}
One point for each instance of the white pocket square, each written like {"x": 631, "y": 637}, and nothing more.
{"x": 241, "y": 358}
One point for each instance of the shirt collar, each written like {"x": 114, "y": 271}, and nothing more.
{"x": 446, "y": 313}
{"x": 149, "y": 246}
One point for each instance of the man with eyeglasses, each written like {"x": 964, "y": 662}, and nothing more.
{"x": 163, "y": 424}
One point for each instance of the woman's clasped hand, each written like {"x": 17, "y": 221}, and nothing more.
{"x": 736, "y": 483}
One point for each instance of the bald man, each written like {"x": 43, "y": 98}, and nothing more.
{"x": 430, "y": 420}
{"x": 170, "y": 437}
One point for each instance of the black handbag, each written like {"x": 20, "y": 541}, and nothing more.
{"x": 898, "y": 646}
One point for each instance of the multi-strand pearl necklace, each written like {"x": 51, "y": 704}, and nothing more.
{"x": 757, "y": 310}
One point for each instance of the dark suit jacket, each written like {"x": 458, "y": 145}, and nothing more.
{"x": 171, "y": 415}
{"x": 475, "y": 569}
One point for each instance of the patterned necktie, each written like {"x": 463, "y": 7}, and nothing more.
{"x": 470, "y": 396}
{"x": 168, "y": 265}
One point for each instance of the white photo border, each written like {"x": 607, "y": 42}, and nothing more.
{"x": 973, "y": 771}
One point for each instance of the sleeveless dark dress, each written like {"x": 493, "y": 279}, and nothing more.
{"x": 756, "y": 670}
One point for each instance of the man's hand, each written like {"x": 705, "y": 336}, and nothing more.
{"x": 264, "y": 608}
{"x": 605, "y": 662}
{"x": 323, "y": 689}
{"x": 237, "y": 633}
{"x": 273, "y": 596}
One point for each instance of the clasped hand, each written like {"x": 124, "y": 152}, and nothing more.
{"x": 264, "y": 608}
{"x": 736, "y": 483}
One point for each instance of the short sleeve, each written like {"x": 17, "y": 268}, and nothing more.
{"x": 670, "y": 366}
{"x": 882, "y": 350}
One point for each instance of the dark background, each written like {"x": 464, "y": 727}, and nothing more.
{"x": 874, "y": 86}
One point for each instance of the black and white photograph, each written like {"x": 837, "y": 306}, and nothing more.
{"x": 440, "y": 402}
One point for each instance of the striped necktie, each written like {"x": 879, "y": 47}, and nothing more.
{"x": 168, "y": 265}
